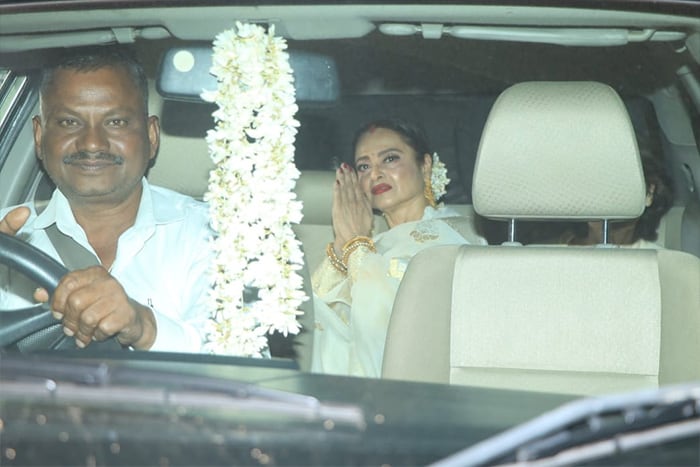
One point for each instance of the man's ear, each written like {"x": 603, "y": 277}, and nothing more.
{"x": 153, "y": 136}
{"x": 36, "y": 124}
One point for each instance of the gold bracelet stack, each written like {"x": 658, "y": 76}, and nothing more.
{"x": 335, "y": 261}
{"x": 354, "y": 244}
{"x": 341, "y": 264}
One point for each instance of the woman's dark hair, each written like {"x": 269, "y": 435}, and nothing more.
{"x": 410, "y": 133}
{"x": 655, "y": 174}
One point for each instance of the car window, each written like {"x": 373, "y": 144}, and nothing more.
{"x": 18, "y": 99}
{"x": 452, "y": 377}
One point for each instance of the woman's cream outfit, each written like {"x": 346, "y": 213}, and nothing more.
{"x": 352, "y": 311}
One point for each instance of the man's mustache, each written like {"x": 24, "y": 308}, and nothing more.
{"x": 100, "y": 156}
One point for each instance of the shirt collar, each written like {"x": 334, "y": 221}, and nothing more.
{"x": 154, "y": 208}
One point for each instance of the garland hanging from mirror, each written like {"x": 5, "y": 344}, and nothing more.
{"x": 250, "y": 192}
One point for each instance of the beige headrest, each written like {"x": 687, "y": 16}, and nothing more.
{"x": 315, "y": 189}
{"x": 558, "y": 150}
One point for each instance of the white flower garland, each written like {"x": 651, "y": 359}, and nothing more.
{"x": 438, "y": 177}
{"x": 251, "y": 196}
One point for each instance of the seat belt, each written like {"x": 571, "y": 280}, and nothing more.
{"x": 73, "y": 254}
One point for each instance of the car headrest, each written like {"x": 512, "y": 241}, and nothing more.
{"x": 558, "y": 150}
{"x": 315, "y": 189}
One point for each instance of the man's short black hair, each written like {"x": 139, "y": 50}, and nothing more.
{"x": 85, "y": 59}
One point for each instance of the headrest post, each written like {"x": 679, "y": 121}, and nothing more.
{"x": 606, "y": 225}
{"x": 511, "y": 230}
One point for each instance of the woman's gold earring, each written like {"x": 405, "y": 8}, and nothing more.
{"x": 428, "y": 193}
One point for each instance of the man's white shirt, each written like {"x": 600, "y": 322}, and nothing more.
{"x": 162, "y": 261}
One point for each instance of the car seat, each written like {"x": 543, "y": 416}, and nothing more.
{"x": 578, "y": 320}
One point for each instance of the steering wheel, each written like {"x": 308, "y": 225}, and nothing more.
{"x": 34, "y": 328}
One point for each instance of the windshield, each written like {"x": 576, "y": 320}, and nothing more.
{"x": 381, "y": 232}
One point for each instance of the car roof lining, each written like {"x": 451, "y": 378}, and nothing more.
{"x": 305, "y": 22}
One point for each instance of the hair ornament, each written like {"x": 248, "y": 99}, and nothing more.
{"x": 438, "y": 177}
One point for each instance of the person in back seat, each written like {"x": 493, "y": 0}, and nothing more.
{"x": 354, "y": 288}
{"x": 636, "y": 233}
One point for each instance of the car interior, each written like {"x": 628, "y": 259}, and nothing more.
{"x": 640, "y": 82}
{"x": 568, "y": 313}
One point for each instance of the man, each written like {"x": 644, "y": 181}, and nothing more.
{"x": 96, "y": 141}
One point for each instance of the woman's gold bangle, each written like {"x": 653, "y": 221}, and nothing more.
{"x": 335, "y": 261}
{"x": 358, "y": 239}
{"x": 354, "y": 244}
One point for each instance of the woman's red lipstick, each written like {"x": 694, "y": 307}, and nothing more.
{"x": 381, "y": 188}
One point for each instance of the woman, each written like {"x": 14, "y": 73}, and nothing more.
{"x": 355, "y": 286}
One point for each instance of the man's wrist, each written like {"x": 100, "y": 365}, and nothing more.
{"x": 147, "y": 325}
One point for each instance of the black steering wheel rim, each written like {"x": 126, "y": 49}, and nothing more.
{"x": 34, "y": 328}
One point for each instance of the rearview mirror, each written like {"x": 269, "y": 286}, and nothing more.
{"x": 184, "y": 74}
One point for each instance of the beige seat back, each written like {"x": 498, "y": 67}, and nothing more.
{"x": 580, "y": 320}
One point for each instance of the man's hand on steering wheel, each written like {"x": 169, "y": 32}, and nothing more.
{"x": 92, "y": 304}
